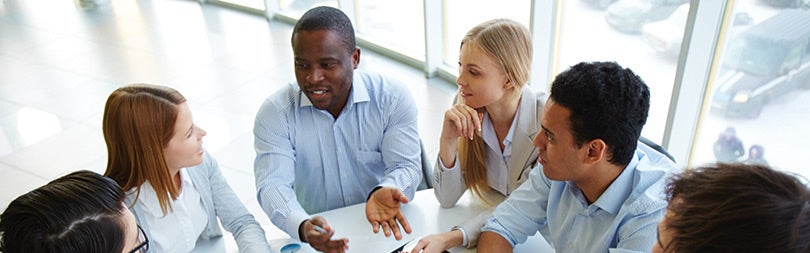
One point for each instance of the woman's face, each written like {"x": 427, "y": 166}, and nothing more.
{"x": 481, "y": 79}
{"x": 185, "y": 147}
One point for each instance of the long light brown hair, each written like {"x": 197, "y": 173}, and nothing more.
{"x": 138, "y": 123}
{"x": 509, "y": 43}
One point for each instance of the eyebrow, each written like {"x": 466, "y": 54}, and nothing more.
{"x": 548, "y": 132}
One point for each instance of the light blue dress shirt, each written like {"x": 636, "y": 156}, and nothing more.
{"x": 623, "y": 219}
{"x": 309, "y": 162}
{"x": 221, "y": 206}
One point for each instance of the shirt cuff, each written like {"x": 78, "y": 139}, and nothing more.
{"x": 294, "y": 222}
{"x": 441, "y": 165}
{"x": 464, "y": 240}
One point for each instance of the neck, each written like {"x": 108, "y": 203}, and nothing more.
{"x": 503, "y": 111}
{"x": 178, "y": 182}
{"x": 602, "y": 176}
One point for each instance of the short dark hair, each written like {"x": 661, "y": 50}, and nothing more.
{"x": 738, "y": 208}
{"x": 327, "y": 18}
{"x": 607, "y": 102}
{"x": 79, "y": 212}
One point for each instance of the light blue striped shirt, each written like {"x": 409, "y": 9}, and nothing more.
{"x": 309, "y": 162}
{"x": 623, "y": 219}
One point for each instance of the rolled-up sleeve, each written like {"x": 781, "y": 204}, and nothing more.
{"x": 524, "y": 212}
{"x": 274, "y": 167}
{"x": 401, "y": 144}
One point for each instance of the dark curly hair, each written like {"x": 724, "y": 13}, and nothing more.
{"x": 737, "y": 208}
{"x": 327, "y": 18}
{"x": 607, "y": 102}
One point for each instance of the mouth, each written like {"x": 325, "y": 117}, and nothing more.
{"x": 465, "y": 94}
{"x": 317, "y": 92}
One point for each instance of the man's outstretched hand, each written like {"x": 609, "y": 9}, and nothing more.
{"x": 383, "y": 210}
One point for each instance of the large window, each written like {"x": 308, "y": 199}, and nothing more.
{"x": 756, "y": 108}
{"x": 462, "y": 15}
{"x": 296, "y": 8}
{"x": 398, "y": 25}
{"x": 644, "y": 35}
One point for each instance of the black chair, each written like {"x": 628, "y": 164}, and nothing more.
{"x": 657, "y": 147}
{"x": 427, "y": 171}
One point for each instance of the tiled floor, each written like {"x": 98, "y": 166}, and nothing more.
{"x": 58, "y": 64}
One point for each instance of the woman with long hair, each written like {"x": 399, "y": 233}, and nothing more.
{"x": 173, "y": 186}
{"x": 486, "y": 140}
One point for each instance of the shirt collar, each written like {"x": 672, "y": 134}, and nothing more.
{"x": 357, "y": 94}
{"x": 491, "y": 139}
{"x": 612, "y": 199}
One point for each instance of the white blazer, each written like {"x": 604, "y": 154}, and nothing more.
{"x": 449, "y": 185}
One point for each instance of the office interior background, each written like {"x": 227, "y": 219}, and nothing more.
{"x": 710, "y": 65}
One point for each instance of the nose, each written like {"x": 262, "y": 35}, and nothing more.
{"x": 201, "y": 132}
{"x": 460, "y": 81}
{"x": 540, "y": 140}
{"x": 314, "y": 76}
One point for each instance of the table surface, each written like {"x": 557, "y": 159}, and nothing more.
{"x": 424, "y": 214}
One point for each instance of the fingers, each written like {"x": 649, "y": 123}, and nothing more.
{"x": 395, "y": 229}
{"x": 398, "y": 195}
{"x": 375, "y": 226}
{"x": 402, "y": 220}
{"x": 469, "y": 120}
{"x": 386, "y": 229}
{"x": 419, "y": 246}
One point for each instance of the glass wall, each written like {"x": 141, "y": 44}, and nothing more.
{"x": 394, "y": 24}
{"x": 644, "y": 35}
{"x": 296, "y": 8}
{"x": 462, "y": 15}
{"x": 757, "y": 110}
{"x": 753, "y": 78}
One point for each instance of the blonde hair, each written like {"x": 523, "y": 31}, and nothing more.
{"x": 138, "y": 123}
{"x": 510, "y": 44}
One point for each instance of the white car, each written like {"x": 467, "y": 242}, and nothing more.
{"x": 665, "y": 36}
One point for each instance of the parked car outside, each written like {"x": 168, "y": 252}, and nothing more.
{"x": 666, "y": 36}
{"x": 763, "y": 63}
{"x": 599, "y": 4}
{"x": 630, "y": 15}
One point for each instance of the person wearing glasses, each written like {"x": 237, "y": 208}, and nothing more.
{"x": 174, "y": 187}
{"x": 735, "y": 208}
{"x": 82, "y": 212}
{"x": 486, "y": 140}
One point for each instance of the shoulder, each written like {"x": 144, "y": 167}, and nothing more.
{"x": 379, "y": 86}
{"x": 281, "y": 100}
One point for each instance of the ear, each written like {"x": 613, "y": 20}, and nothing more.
{"x": 508, "y": 84}
{"x": 356, "y": 58}
{"x": 596, "y": 150}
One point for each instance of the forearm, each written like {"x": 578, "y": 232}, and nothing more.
{"x": 448, "y": 185}
{"x": 493, "y": 242}
{"x": 448, "y": 148}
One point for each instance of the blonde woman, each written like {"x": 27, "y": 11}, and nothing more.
{"x": 174, "y": 187}
{"x": 486, "y": 140}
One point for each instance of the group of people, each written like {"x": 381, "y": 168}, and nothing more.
{"x": 567, "y": 164}
{"x": 728, "y": 148}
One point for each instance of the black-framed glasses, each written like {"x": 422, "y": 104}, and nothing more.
{"x": 143, "y": 240}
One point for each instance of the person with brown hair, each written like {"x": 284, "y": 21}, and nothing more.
{"x": 174, "y": 187}
{"x": 485, "y": 143}
{"x": 82, "y": 212}
{"x": 735, "y": 208}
